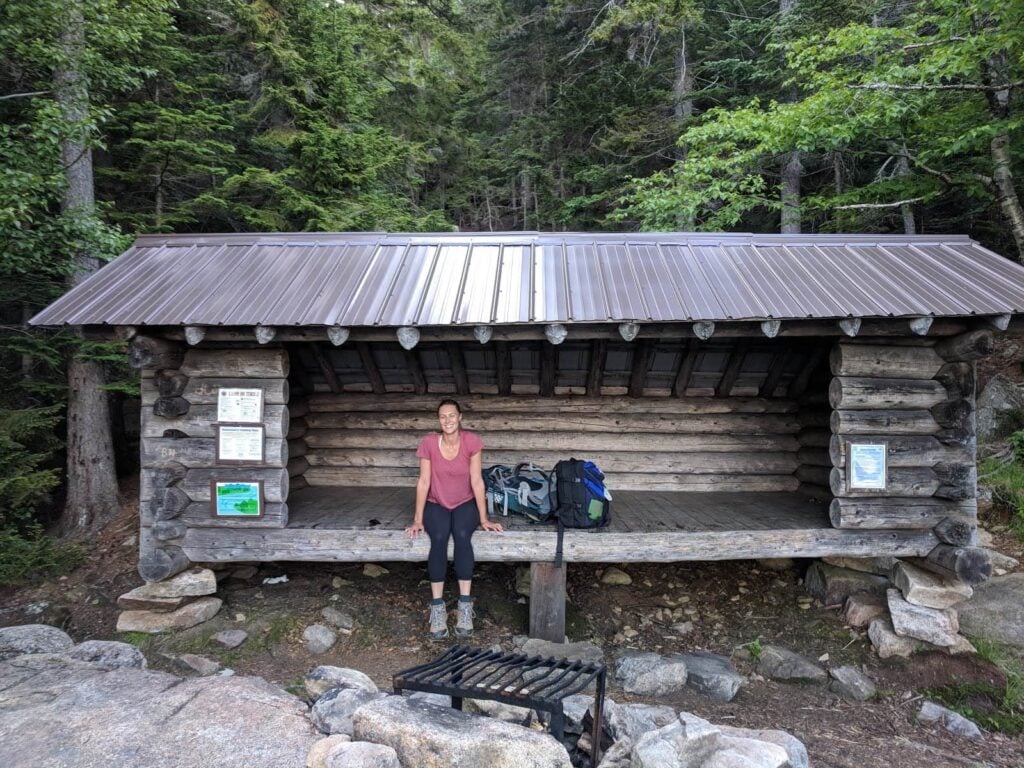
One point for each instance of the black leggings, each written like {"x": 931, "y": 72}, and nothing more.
{"x": 459, "y": 523}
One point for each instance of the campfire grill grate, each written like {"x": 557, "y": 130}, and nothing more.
{"x": 536, "y": 682}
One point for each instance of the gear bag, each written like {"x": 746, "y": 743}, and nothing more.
{"x": 583, "y": 500}
{"x": 525, "y": 490}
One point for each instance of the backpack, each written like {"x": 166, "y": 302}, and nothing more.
{"x": 583, "y": 500}
{"x": 525, "y": 489}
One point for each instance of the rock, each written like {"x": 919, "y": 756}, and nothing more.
{"x": 343, "y": 621}
{"x": 499, "y": 710}
{"x": 130, "y": 602}
{"x": 243, "y": 572}
{"x": 190, "y": 614}
{"x": 687, "y": 741}
{"x": 374, "y": 571}
{"x": 631, "y": 721}
{"x": 431, "y": 699}
{"x": 833, "y": 585}
{"x": 432, "y": 737}
{"x": 613, "y": 575}
{"x": 999, "y": 397}
{"x": 1001, "y": 562}
{"x": 937, "y": 626}
{"x": 325, "y": 678}
{"x": 885, "y": 640}
{"x": 33, "y": 638}
{"x": 332, "y": 712}
{"x": 996, "y": 611}
{"x": 781, "y": 664}
{"x": 794, "y": 748}
{"x": 648, "y": 674}
{"x": 319, "y": 638}
{"x": 738, "y": 752}
{"x": 682, "y": 628}
{"x": 581, "y": 651}
{"x": 962, "y": 645}
{"x": 363, "y": 754}
{"x": 194, "y": 582}
{"x": 952, "y": 721}
{"x": 523, "y": 580}
{"x": 45, "y": 612}
{"x": 200, "y": 664}
{"x": 337, "y": 582}
{"x": 861, "y": 608}
{"x": 921, "y": 587}
{"x": 575, "y": 708}
{"x": 108, "y": 654}
{"x": 711, "y": 674}
{"x": 851, "y": 683}
{"x": 880, "y": 566}
{"x": 57, "y": 711}
{"x": 231, "y": 638}
{"x": 776, "y": 563}
{"x": 323, "y": 749}
{"x": 618, "y": 755}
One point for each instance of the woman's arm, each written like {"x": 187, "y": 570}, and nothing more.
{"x": 476, "y": 480}
{"x": 422, "y": 488}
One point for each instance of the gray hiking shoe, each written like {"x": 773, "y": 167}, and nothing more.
{"x": 464, "y": 624}
{"x": 438, "y": 622}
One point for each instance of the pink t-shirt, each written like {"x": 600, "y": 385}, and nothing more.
{"x": 449, "y": 478}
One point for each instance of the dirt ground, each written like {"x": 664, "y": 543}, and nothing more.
{"x": 731, "y": 604}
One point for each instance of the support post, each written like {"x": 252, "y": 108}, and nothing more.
{"x": 547, "y": 602}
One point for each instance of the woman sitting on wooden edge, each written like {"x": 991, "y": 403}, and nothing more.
{"x": 450, "y": 503}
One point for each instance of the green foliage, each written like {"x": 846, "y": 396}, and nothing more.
{"x": 1006, "y": 480}
{"x": 30, "y": 553}
{"x": 755, "y": 648}
{"x": 27, "y": 445}
{"x": 993, "y": 707}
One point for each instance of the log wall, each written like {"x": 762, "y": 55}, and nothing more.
{"x": 662, "y": 444}
{"x": 918, "y": 399}
{"x": 179, "y": 420}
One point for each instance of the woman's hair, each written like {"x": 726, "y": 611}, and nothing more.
{"x": 450, "y": 401}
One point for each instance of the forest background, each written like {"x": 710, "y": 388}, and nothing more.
{"x": 125, "y": 116}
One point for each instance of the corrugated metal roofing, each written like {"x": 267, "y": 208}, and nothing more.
{"x": 366, "y": 279}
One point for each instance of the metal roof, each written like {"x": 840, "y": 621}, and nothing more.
{"x": 375, "y": 279}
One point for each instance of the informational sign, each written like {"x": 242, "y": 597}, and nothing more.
{"x": 236, "y": 498}
{"x": 239, "y": 444}
{"x": 866, "y": 462}
{"x": 243, "y": 406}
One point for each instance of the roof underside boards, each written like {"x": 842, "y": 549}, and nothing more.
{"x": 367, "y": 279}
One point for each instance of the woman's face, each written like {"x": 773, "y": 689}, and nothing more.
{"x": 450, "y": 419}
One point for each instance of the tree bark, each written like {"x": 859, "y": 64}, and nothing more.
{"x": 999, "y": 105}
{"x": 792, "y": 167}
{"x": 91, "y": 476}
{"x": 682, "y": 91}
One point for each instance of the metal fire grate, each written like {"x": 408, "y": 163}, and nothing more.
{"x": 537, "y": 682}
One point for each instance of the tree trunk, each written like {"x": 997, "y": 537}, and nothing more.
{"x": 792, "y": 167}
{"x": 91, "y": 477}
{"x": 682, "y": 91}
{"x": 996, "y": 70}
{"x": 903, "y": 169}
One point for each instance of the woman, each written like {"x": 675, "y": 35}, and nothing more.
{"x": 450, "y": 503}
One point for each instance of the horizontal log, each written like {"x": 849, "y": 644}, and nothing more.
{"x": 897, "y": 512}
{"x": 814, "y": 438}
{"x": 202, "y": 452}
{"x": 904, "y": 450}
{"x": 197, "y": 481}
{"x": 625, "y": 481}
{"x": 971, "y": 565}
{"x": 872, "y": 360}
{"x": 813, "y": 417}
{"x": 814, "y": 457}
{"x": 172, "y": 503}
{"x": 581, "y": 442}
{"x": 957, "y": 415}
{"x": 153, "y": 353}
{"x": 157, "y": 561}
{"x": 764, "y": 463}
{"x": 851, "y": 392}
{"x": 958, "y": 379}
{"x": 947, "y": 481}
{"x": 201, "y": 421}
{"x": 166, "y": 530}
{"x": 299, "y": 407}
{"x": 474, "y": 404}
{"x": 972, "y": 345}
{"x": 730, "y": 423}
{"x": 165, "y": 383}
{"x": 200, "y": 515}
{"x": 959, "y": 532}
{"x": 813, "y": 475}
{"x": 296, "y": 428}
{"x": 203, "y": 391}
{"x": 170, "y": 407}
{"x": 236, "y": 363}
{"x": 297, "y": 448}
{"x": 297, "y": 483}
{"x": 298, "y": 466}
{"x": 326, "y": 545}
{"x": 910, "y": 422}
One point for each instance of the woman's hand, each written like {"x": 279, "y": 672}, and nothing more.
{"x": 487, "y": 525}
{"x": 414, "y": 530}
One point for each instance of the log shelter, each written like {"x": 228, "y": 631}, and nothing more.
{"x": 720, "y": 381}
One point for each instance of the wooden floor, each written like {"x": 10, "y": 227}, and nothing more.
{"x": 365, "y": 524}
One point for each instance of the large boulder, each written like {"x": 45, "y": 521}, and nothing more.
{"x": 57, "y": 711}
{"x": 108, "y": 654}
{"x": 938, "y": 626}
{"x": 996, "y": 611}
{"x": 631, "y": 721}
{"x": 332, "y": 712}
{"x": 152, "y": 622}
{"x": 323, "y": 678}
{"x": 649, "y": 674}
{"x": 794, "y": 748}
{"x": 782, "y": 664}
{"x": 686, "y": 741}
{"x": 33, "y": 638}
{"x": 999, "y": 397}
{"x": 711, "y": 674}
{"x": 433, "y": 737}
